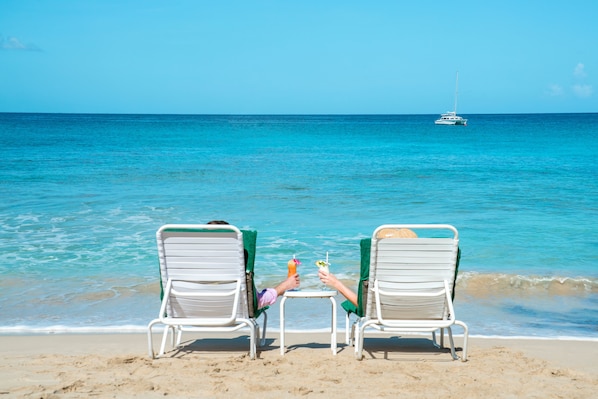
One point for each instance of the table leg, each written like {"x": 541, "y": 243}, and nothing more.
{"x": 282, "y": 349}
{"x": 333, "y": 327}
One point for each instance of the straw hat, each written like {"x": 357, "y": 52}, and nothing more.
{"x": 396, "y": 233}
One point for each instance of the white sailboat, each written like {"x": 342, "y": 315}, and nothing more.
{"x": 451, "y": 117}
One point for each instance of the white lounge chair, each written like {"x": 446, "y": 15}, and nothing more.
{"x": 202, "y": 270}
{"x": 411, "y": 282}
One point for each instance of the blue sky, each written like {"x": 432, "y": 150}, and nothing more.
{"x": 298, "y": 57}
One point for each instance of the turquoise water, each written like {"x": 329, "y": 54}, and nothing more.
{"x": 82, "y": 197}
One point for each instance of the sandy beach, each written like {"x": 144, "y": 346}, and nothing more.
{"x": 117, "y": 365}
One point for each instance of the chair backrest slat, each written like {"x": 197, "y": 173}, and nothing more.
{"x": 408, "y": 265}
{"x": 203, "y": 258}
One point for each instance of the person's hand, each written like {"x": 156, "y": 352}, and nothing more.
{"x": 327, "y": 278}
{"x": 290, "y": 283}
{"x": 330, "y": 279}
{"x": 293, "y": 281}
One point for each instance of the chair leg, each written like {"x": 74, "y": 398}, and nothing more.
{"x": 179, "y": 337}
{"x": 450, "y": 334}
{"x": 465, "y": 337}
{"x": 253, "y": 331}
{"x": 263, "y": 339}
{"x": 348, "y": 330}
{"x": 441, "y": 343}
{"x": 359, "y": 333}
{"x": 150, "y": 339}
{"x": 164, "y": 338}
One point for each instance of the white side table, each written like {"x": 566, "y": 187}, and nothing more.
{"x": 309, "y": 294}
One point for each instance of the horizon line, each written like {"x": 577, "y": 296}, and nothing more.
{"x": 288, "y": 114}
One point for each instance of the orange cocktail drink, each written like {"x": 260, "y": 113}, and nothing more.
{"x": 292, "y": 266}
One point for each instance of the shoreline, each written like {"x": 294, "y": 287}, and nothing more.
{"x": 136, "y": 330}
{"x": 218, "y": 365}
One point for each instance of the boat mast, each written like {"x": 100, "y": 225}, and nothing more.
{"x": 456, "y": 92}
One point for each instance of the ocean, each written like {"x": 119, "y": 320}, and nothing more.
{"x": 83, "y": 195}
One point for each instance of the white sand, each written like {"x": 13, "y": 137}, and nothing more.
{"x": 117, "y": 365}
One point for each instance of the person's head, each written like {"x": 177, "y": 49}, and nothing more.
{"x": 396, "y": 233}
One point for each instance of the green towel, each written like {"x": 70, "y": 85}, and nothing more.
{"x": 456, "y": 272}
{"x": 364, "y": 276}
{"x": 249, "y": 244}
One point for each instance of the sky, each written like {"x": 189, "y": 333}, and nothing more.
{"x": 298, "y": 57}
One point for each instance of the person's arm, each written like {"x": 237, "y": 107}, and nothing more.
{"x": 331, "y": 280}
{"x": 266, "y": 297}
{"x": 269, "y": 295}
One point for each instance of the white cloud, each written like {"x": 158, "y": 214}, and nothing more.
{"x": 13, "y": 43}
{"x": 555, "y": 90}
{"x": 583, "y": 91}
{"x": 579, "y": 71}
